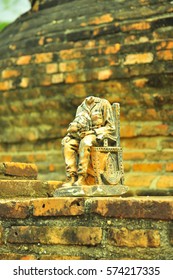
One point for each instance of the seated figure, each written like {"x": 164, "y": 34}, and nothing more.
{"x": 94, "y": 122}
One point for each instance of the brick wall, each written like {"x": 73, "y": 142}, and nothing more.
{"x": 84, "y": 228}
{"x": 54, "y": 56}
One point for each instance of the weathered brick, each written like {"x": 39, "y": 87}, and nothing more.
{"x": 24, "y": 82}
{"x": 19, "y": 169}
{"x": 100, "y": 20}
{"x": 133, "y": 155}
{"x": 165, "y": 181}
{"x": 10, "y": 73}
{"x": 43, "y": 57}
{"x": 51, "y": 68}
{"x": 70, "y": 54}
{"x": 148, "y": 167}
{"x": 134, "y": 208}
{"x": 24, "y": 60}
{"x": 68, "y": 66}
{"x": 112, "y": 49}
{"x": 58, "y": 207}
{"x": 22, "y": 188}
{"x": 169, "y": 167}
{"x": 104, "y": 74}
{"x": 165, "y": 45}
{"x": 140, "y": 143}
{"x": 6, "y": 85}
{"x": 55, "y": 235}
{"x": 136, "y": 26}
{"x": 154, "y": 129}
{"x": 12, "y": 256}
{"x": 75, "y": 77}
{"x": 128, "y": 131}
{"x": 14, "y": 209}
{"x": 140, "y": 83}
{"x": 134, "y": 238}
{"x": 46, "y": 80}
{"x": 139, "y": 180}
{"x": 57, "y": 78}
{"x": 138, "y": 58}
{"x": 165, "y": 55}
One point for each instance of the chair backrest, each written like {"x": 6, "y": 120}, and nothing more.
{"x": 116, "y": 112}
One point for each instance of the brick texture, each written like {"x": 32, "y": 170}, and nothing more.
{"x": 86, "y": 228}
{"x": 134, "y": 238}
{"x": 119, "y": 52}
{"x": 58, "y": 207}
{"x": 14, "y": 209}
{"x": 55, "y": 235}
{"x": 130, "y": 207}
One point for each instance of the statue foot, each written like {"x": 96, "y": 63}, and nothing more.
{"x": 70, "y": 182}
{"x": 81, "y": 181}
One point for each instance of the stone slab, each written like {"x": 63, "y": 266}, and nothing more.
{"x": 91, "y": 191}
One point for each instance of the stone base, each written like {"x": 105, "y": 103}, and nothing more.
{"x": 93, "y": 190}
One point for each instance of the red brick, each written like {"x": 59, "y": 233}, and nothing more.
{"x": 134, "y": 238}
{"x": 154, "y": 129}
{"x": 104, "y": 74}
{"x": 6, "y": 85}
{"x": 140, "y": 83}
{"x": 75, "y": 77}
{"x": 10, "y": 73}
{"x": 70, "y": 54}
{"x": 55, "y": 235}
{"x": 165, "y": 181}
{"x": 136, "y": 26}
{"x": 24, "y": 82}
{"x": 23, "y": 188}
{"x": 51, "y": 68}
{"x": 100, "y": 20}
{"x": 20, "y": 169}
{"x": 43, "y": 57}
{"x": 112, "y": 49}
{"x": 148, "y": 167}
{"x": 133, "y": 155}
{"x": 46, "y": 80}
{"x": 14, "y": 209}
{"x": 58, "y": 206}
{"x": 159, "y": 208}
{"x": 128, "y": 131}
{"x": 138, "y": 58}
{"x": 140, "y": 143}
{"x": 139, "y": 180}
{"x": 57, "y": 78}
{"x": 165, "y": 55}
{"x": 68, "y": 66}
{"x": 24, "y": 60}
{"x": 11, "y": 256}
{"x": 169, "y": 167}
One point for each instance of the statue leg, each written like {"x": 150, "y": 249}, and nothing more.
{"x": 70, "y": 151}
{"x": 84, "y": 158}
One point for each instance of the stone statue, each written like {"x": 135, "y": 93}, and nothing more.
{"x": 94, "y": 122}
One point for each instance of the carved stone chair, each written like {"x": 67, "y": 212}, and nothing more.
{"x": 106, "y": 166}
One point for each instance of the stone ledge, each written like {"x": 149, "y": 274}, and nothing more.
{"x": 156, "y": 208}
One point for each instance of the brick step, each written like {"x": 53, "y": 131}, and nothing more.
{"x": 27, "y": 188}
{"x": 11, "y": 170}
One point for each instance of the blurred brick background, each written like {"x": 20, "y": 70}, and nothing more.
{"x": 62, "y": 51}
